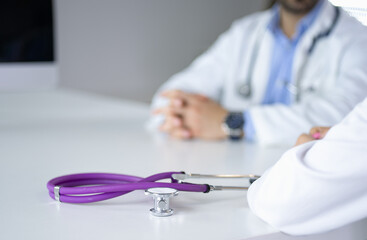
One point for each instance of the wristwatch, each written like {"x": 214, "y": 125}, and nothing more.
{"x": 233, "y": 125}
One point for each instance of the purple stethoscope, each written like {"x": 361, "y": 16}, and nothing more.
{"x": 94, "y": 187}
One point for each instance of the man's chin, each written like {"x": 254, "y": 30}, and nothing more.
{"x": 298, "y": 7}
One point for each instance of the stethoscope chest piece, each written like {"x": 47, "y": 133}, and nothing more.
{"x": 244, "y": 90}
{"x": 161, "y": 197}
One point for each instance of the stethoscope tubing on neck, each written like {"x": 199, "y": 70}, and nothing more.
{"x": 325, "y": 33}
{"x": 245, "y": 89}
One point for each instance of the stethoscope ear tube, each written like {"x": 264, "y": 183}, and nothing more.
{"x": 94, "y": 187}
{"x": 325, "y": 33}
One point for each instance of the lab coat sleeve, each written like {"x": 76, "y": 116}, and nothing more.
{"x": 318, "y": 186}
{"x": 278, "y": 123}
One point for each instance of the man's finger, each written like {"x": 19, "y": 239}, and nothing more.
{"x": 168, "y": 110}
{"x": 201, "y": 97}
{"x": 176, "y": 121}
{"x": 175, "y": 94}
{"x": 165, "y": 127}
{"x": 177, "y": 102}
{"x": 181, "y": 133}
{"x": 179, "y": 98}
{"x": 171, "y": 122}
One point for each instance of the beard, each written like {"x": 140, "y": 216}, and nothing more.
{"x": 298, "y": 6}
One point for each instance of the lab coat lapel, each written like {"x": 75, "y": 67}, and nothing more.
{"x": 262, "y": 68}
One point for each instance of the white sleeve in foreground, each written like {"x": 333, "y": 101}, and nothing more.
{"x": 318, "y": 186}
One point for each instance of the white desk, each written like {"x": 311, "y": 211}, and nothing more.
{"x": 44, "y": 135}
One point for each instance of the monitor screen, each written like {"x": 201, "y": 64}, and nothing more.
{"x": 26, "y": 31}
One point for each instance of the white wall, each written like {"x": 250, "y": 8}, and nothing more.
{"x": 128, "y": 48}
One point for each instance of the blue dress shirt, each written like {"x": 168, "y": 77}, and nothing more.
{"x": 280, "y": 78}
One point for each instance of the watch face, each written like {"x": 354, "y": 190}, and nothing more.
{"x": 235, "y": 120}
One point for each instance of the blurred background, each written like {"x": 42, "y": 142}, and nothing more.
{"x": 128, "y": 48}
{"x": 119, "y": 48}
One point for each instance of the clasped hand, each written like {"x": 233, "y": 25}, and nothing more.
{"x": 192, "y": 116}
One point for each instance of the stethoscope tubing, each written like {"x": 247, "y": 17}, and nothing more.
{"x": 74, "y": 188}
{"x": 244, "y": 89}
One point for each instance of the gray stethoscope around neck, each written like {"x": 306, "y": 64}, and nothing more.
{"x": 244, "y": 89}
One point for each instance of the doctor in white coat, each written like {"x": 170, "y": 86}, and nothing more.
{"x": 270, "y": 77}
{"x": 320, "y": 185}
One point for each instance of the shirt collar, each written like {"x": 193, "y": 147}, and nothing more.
{"x": 302, "y": 26}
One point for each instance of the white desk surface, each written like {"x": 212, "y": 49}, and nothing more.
{"x": 48, "y": 134}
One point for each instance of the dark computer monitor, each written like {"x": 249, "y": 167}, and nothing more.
{"x": 27, "y": 45}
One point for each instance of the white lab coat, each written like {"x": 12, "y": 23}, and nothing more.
{"x": 320, "y": 185}
{"x": 333, "y": 81}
